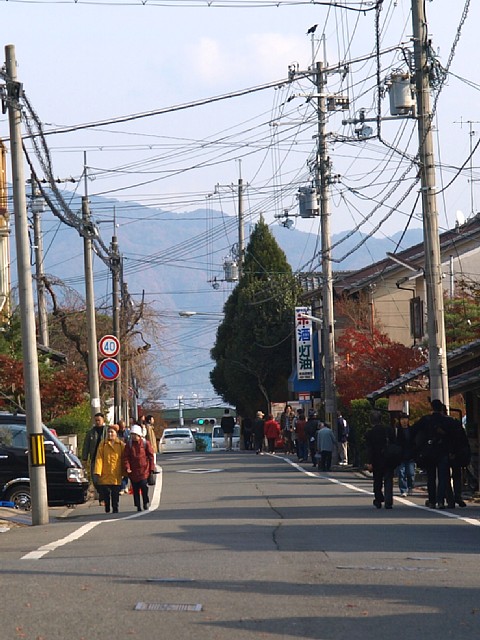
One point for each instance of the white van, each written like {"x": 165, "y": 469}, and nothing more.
{"x": 218, "y": 440}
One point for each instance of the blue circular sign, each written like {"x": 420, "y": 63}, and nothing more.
{"x": 109, "y": 369}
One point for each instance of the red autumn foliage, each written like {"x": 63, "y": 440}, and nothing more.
{"x": 369, "y": 360}
{"x": 60, "y": 389}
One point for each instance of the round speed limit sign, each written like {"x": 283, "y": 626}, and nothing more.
{"x": 109, "y": 346}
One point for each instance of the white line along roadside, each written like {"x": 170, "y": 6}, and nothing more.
{"x": 86, "y": 528}
{"x": 348, "y": 485}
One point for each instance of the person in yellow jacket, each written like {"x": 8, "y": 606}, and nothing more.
{"x": 110, "y": 468}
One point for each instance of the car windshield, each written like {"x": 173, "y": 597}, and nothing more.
{"x": 176, "y": 434}
{"x": 14, "y": 434}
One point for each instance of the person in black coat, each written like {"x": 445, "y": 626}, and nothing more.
{"x": 258, "y": 432}
{"x": 432, "y": 435}
{"x": 311, "y": 427}
{"x": 377, "y": 438}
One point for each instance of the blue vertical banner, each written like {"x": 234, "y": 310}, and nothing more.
{"x": 304, "y": 343}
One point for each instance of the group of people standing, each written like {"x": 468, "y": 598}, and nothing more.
{"x": 116, "y": 456}
{"x": 436, "y": 442}
{"x": 301, "y": 436}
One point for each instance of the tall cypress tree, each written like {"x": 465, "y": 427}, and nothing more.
{"x": 253, "y": 348}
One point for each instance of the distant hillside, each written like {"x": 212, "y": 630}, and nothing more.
{"x": 171, "y": 257}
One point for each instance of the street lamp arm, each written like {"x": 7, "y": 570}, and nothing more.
{"x": 309, "y": 317}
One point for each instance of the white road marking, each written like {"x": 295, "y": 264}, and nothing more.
{"x": 86, "y": 528}
{"x": 447, "y": 514}
{"x": 199, "y": 470}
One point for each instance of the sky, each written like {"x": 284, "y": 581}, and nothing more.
{"x": 84, "y": 63}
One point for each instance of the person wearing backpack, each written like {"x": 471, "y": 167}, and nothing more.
{"x": 432, "y": 436}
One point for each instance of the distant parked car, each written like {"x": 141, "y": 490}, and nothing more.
{"x": 179, "y": 440}
{"x": 218, "y": 441}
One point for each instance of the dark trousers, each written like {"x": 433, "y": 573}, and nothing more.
{"x": 140, "y": 487}
{"x": 325, "y": 461}
{"x": 271, "y": 444}
{"x": 110, "y": 493}
{"x": 438, "y": 475}
{"x": 313, "y": 452}
{"x": 457, "y": 481}
{"x": 258, "y": 441}
{"x": 383, "y": 484}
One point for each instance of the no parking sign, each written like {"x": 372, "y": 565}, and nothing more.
{"x": 109, "y": 369}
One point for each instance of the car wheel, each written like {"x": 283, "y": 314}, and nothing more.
{"x": 21, "y": 497}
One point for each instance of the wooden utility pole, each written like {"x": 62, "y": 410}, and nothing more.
{"x": 437, "y": 352}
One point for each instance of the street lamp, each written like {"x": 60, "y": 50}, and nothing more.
{"x": 309, "y": 317}
{"x": 190, "y": 314}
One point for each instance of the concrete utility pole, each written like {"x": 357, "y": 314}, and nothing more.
{"x": 433, "y": 265}
{"x": 4, "y": 238}
{"x": 93, "y": 383}
{"x": 37, "y": 206}
{"x": 36, "y": 448}
{"x": 115, "y": 266}
{"x": 322, "y": 181}
{"x": 241, "y": 229}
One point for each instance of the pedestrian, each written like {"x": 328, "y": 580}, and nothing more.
{"x": 286, "y": 426}
{"x": 377, "y": 440}
{"x": 301, "y": 437}
{"x": 326, "y": 443}
{"x": 123, "y": 431}
{"x": 272, "y": 431}
{"x": 311, "y": 427}
{"x": 258, "y": 432}
{"x": 459, "y": 457}
{"x": 124, "y": 435}
{"x": 228, "y": 426}
{"x": 343, "y": 431}
{"x": 139, "y": 464}
{"x": 406, "y": 468}
{"x": 109, "y": 468}
{"x": 247, "y": 430}
{"x": 432, "y": 436}
{"x": 150, "y": 432}
{"x": 90, "y": 445}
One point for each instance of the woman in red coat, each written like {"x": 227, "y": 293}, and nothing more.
{"x": 272, "y": 431}
{"x": 139, "y": 463}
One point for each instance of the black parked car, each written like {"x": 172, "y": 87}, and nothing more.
{"x": 67, "y": 483}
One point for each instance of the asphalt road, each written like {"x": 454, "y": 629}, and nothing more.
{"x": 239, "y": 546}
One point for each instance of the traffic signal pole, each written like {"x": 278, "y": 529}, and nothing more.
{"x": 36, "y": 453}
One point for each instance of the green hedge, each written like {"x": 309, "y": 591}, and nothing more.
{"x": 77, "y": 421}
{"x": 359, "y": 420}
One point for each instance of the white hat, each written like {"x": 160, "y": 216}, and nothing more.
{"x": 136, "y": 429}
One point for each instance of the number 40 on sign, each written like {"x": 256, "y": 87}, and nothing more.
{"x": 109, "y": 346}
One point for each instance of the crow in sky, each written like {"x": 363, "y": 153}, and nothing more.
{"x": 312, "y": 29}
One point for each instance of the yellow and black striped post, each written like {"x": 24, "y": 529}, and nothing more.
{"x": 37, "y": 450}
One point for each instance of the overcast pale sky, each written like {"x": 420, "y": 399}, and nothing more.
{"x": 83, "y": 63}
